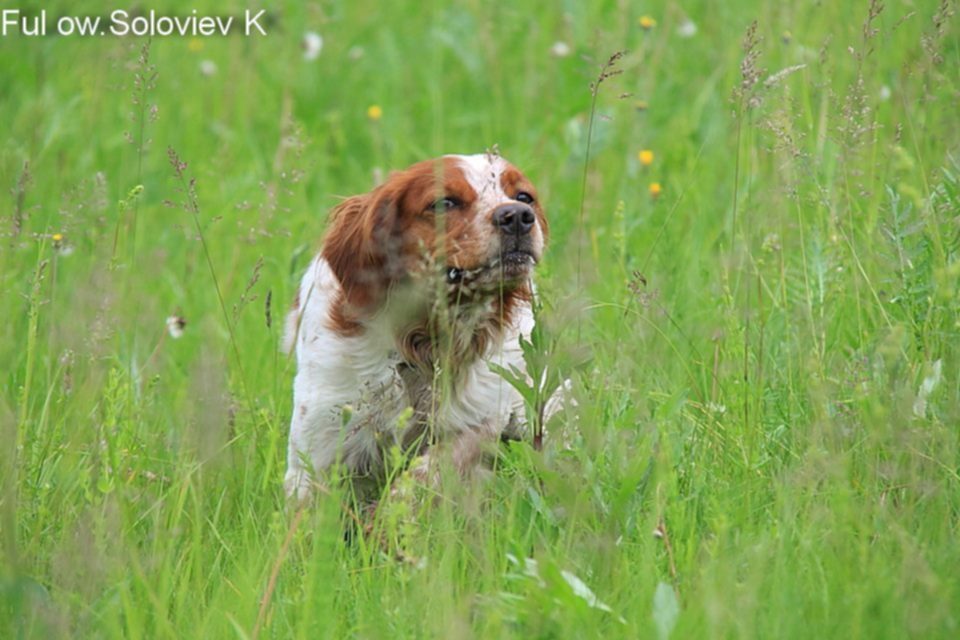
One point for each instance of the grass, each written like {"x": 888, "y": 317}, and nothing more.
{"x": 767, "y": 443}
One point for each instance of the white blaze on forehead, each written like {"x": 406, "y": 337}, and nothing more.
{"x": 483, "y": 171}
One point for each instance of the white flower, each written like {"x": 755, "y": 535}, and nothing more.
{"x": 560, "y": 49}
{"x": 208, "y": 67}
{"x": 716, "y": 407}
{"x": 926, "y": 388}
{"x": 687, "y": 29}
{"x": 312, "y": 45}
{"x": 885, "y": 93}
{"x": 175, "y": 326}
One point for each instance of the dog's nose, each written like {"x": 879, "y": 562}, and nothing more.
{"x": 514, "y": 219}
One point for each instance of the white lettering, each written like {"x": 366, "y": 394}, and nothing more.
{"x": 118, "y": 23}
{"x": 253, "y": 22}
{"x": 11, "y": 18}
{"x": 88, "y": 25}
{"x": 224, "y": 24}
{"x": 65, "y": 26}
{"x": 122, "y": 24}
{"x": 140, "y": 26}
{"x": 162, "y": 26}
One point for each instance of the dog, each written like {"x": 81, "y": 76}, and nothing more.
{"x": 421, "y": 285}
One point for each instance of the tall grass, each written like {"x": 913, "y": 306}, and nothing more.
{"x": 765, "y": 443}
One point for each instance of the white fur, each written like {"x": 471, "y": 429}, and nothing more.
{"x": 360, "y": 372}
{"x": 483, "y": 171}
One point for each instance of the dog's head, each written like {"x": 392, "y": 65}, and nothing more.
{"x": 474, "y": 222}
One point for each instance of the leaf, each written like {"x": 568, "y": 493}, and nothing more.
{"x": 540, "y": 506}
{"x": 581, "y": 590}
{"x": 665, "y": 610}
{"x": 517, "y": 380}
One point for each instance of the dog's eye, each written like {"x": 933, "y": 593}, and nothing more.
{"x": 524, "y": 197}
{"x": 445, "y": 204}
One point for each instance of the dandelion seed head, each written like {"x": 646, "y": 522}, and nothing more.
{"x": 312, "y": 45}
{"x": 687, "y": 29}
{"x": 560, "y": 49}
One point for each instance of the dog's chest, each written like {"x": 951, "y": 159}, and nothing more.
{"x": 475, "y": 399}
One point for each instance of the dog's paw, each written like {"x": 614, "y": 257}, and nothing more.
{"x": 298, "y": 486}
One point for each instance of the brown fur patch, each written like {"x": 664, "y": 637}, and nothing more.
{"x": 377, "y": 239}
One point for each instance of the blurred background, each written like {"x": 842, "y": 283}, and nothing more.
{"x": 754, "y": 234}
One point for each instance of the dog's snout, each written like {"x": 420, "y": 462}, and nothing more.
{"x": 514, "y": 219}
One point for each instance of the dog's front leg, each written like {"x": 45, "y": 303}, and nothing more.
{"x": 464, "y": 452}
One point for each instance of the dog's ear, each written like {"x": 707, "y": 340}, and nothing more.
{"x": 361, "y": 248}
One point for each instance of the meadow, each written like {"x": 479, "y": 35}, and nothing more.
{"x": 753, "y": 282}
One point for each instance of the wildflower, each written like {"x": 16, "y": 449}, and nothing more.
{"x": 60, "y": 244}
{"x": 175, "y": 326}
{"x": 771, "y": 243}
{"x": 647, "y": 23}
{"x": 560, "y": 49}
{"x": 374, "y": 112}
{"x": 645, "y": 157}
{"x": 641, "y": 105}
{"x": 717, "y": 408}
{"x": 208, "y": 67}
{"x": 195, "y": 45}
{"x": 655, "y": 189}
{"x": 885, "y": 93}
{"x": 312, "y": 44}
{"x": 687, "y": 29}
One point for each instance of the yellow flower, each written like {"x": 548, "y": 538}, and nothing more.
{"x": 647, "y": 23}
{"x": 645, "y": 157}
{"x": 60, "y": 244}
{"x": 655, "y": 189}
{"x": 374, "y": 112}
{"x": 195, "y": 44}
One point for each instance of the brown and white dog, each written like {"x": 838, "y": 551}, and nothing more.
{"x": 419, "y": 287}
